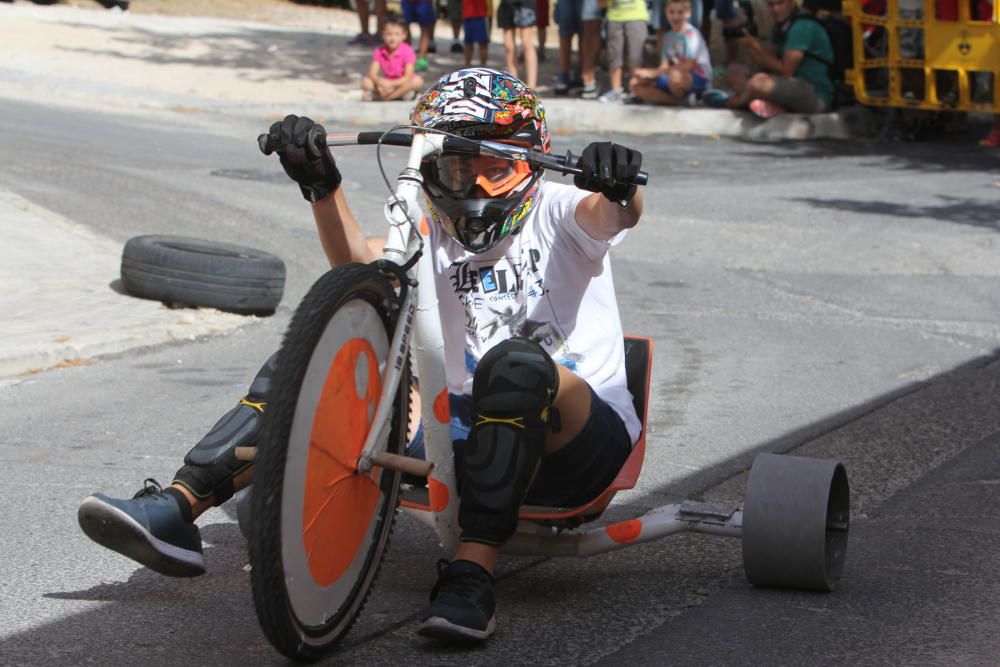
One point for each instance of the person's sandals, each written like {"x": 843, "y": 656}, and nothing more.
{"x": 150, "y": 528}
{"x": 462, "y": 604}
{"x": 589, "y": 92}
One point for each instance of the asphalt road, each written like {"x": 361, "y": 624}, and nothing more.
{"x": 828, "y": 299}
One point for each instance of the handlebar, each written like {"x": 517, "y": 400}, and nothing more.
{"x": 565, "y": 164}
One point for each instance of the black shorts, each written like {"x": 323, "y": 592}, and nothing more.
{"x": 578, "y": 472}
{"x": 517, "y": 14}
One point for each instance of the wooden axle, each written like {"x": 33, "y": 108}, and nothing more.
{"x": 404, "y": 464}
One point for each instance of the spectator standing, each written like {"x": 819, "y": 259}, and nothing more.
{"x": 792, "y": 72}
{"x": 455, "y": 18}
{"x": 544, "y": 11}
{"x": 685, "y": 67}
{"x": 567, "y": 17}
{"x": 365, "y": 38}
{"x": 520, "y": 17}
{"x": 474, "y": 25}
{"x": 582, "y": 18}
{"x": 391, "y": 75}
{"x": 422, "y": 13}
{"x": 628, "y": 25}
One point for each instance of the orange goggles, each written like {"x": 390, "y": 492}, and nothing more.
{"x": 458, "y": 174}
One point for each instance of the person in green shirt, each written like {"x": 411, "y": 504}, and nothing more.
{"x": 793, "y": 72}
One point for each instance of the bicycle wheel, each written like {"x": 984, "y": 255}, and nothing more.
{"x": 319, "y": 530}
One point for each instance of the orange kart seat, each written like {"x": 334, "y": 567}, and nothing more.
{"x": 638, "y": 369}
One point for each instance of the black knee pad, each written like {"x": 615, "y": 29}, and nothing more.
{"x": 512, "y": 393}
{"x": 211, "y": 465}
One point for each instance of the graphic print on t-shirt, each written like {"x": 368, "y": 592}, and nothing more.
{"x": 495, "y": 295}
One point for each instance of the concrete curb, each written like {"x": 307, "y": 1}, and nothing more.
{"x": 567, "y": 116}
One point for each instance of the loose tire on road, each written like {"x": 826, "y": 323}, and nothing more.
{"x": 796, "y": 516}
{"x": 319, "y": 529}
{"x": 195, "y": 272}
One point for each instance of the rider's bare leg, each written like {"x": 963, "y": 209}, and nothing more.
{"x": 200, "y": 505}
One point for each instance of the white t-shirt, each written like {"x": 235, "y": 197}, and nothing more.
{"x": 679, "y": 47}
{"x": 551, "y": 283}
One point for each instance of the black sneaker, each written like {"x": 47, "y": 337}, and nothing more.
{"x": 462, "y": 603}
{"x": 150, "y": 529}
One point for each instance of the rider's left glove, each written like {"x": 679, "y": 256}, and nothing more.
{"x": 608, "y": 168}
{"x": 301, "y": 145}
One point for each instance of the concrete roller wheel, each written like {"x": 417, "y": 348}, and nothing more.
{"x": 796, "y": 515}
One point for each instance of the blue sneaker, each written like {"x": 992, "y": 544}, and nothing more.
{"x": 150, "y": 528}
{"x": 462, "y": 604}
{"x": 715, "y": 98}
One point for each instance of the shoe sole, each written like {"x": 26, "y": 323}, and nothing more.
{"x": 441, "y": 628}
{"x": 112, "y": 528}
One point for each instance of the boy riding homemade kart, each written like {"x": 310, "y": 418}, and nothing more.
{"x": 528, "y": 420}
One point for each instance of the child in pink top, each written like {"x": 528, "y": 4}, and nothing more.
{"x": 391, "y": 75}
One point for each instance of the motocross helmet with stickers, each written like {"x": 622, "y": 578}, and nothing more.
{"x": 480, "y": 200}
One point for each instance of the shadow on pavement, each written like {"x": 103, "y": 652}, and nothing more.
{"x": 952, "y": 153}
{"x": 276, "y": 54}
{"x": 973, "y": 212}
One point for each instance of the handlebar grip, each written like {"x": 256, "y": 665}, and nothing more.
{"x": 315, "y": 142}
{"x": 391, "y": 139}
{"x": 265, "y": 147}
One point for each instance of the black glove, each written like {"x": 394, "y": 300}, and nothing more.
{"x": 608, "y": 168}
{"x": 301, "y": 145}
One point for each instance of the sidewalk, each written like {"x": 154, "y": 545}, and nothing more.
{"x": 136, "y": 63}
{"x": 64, "y": 307}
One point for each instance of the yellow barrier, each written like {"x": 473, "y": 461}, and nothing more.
{"x": 927, "y": 54}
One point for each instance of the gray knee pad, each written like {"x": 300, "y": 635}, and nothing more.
{"x": 513, "y": 390}
{"x": 211, "y": 465}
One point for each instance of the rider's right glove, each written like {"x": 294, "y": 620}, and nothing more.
{"x": 301, "y": 145}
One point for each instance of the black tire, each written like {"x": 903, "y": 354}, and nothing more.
{"x": 195, "y": 272}
{"x": 305, "y": 618}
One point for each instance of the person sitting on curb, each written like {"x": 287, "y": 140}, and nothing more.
{"x": 391, "y": 75}
{"x": 685, "y": 68}
{"x": 793, "y": 72}
{"x": 545, "y": 419}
